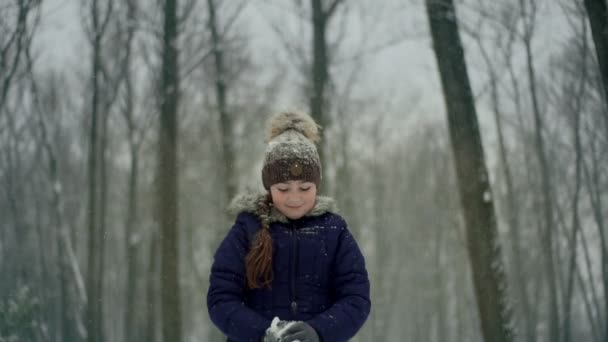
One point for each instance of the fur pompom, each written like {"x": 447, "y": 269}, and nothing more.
{"x": 296, "y": 121}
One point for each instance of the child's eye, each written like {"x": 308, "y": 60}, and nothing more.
{"x": 305, "y": 189}
{"x": 282, "y": 190}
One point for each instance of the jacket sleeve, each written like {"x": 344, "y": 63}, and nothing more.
{"x": 227, "y": 283}
{"x": 350, "y": 281}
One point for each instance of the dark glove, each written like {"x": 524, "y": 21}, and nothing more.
{"x": 300, "y": 331}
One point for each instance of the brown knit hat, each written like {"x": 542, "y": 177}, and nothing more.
{"x": 291, "y": 153}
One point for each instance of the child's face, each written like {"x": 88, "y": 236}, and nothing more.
{"x": 294, "y": 198}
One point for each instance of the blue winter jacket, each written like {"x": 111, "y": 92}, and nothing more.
{"x": 319, "y": 276}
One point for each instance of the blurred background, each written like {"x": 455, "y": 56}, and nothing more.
{"x": 126, "y": 126}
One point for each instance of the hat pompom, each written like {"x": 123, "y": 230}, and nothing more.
{"x": 296, "y": 121}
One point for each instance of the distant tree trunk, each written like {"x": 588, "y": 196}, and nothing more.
{"x": 131, "y": 244}
{"x": 513, "y": 219}
{"x": 152, "y": 293}
{"x": 132, "y": 271}
{"x": 475, "y": 193}
{"x": 16, "y": 36}
{"x": 319, "y": 98}
{"x": 228, "y": 174}
{"x": 380, "y": 290}
{"x": 593, "y": 322}
{"x": 597, "y": 11}
{"x": 15, "y": 41}
{"x": 547, "y": 197}
{"x": 71, "y": 286}
{"x": 512, "y": 208}
{"x": 441, "y": 328}
{"x": 575, "y": 113}
{"x": 221, "y": 92}
{"x": 94, "y": 301}
{"x": 102, "y": 228}
{"x": 167, "y": 178}
{"x": 531, "y": 316}
{"x": 345, "y": 196}
{"x": 15, "y": 197}
{"x": 595, "y": 192}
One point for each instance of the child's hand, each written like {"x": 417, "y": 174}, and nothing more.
{"x": 299, "y": 332}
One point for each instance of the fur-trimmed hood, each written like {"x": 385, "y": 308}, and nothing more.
{"x": 249, "y": 202}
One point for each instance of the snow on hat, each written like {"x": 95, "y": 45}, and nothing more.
{"x": 291, "y": 153}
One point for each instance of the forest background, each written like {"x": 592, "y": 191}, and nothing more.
{"x": 127, "y": 126}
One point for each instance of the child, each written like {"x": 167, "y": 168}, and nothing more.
{"x": 288, "y": 257}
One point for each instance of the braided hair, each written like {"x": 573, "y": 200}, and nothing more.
{"x": 258, "y": 262}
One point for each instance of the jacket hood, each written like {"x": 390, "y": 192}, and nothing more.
{"x": 249, "y": 203}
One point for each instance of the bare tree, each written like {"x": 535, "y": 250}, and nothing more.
{"x": 322, "y": 13}
{"x": 594, "y": 179}
{"x": 572, "y": 101}
{"x": 72, "y": 295}
{"x": 99, "y": 22}
{"x": 15, "y": 38}
{"x": 504, "y": 34}
{"x": 316, "y": 70}
{"x": 219, "y": 45}
{"x": 134, "y": 134}
{"x": 475, "y": 192}
{"x": 528, "y": 9}
{"x": 20, "y": 20}
{"x": 597, "y": 11}
{"x": 152, "y": 290}
{"x": 167, "y": 176}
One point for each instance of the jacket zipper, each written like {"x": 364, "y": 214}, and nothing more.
{"x": 292, "y": 278}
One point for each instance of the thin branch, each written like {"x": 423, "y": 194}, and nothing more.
{"x": 332, "y": 8}
{"x": 232, "y": 19}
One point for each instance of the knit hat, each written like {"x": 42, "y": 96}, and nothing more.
{"x": 291, "y": 153}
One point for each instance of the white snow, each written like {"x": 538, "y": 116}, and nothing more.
{"x": 277, "y": 327}
{"x": 487, "y": 197}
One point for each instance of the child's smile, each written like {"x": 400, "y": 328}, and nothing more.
{"x": 294, "y": 199}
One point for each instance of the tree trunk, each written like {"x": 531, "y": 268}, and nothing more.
{"x": 319, "y": 102}
{"x": 597, "y": 12}
{"x": 512, "y": 207}
{"x": 102, "y": 228}
{"x": 17, "y": 43}
{"x": 530, "y": 316}
{"x": 131, "y": 248}
{"x": 380, "y": 291}
{"x": 167, "y": 178}
{"x": 132, "y": 271}
{"x": 547, "y": 203}
{"x": 221, "y": 93}
{"x": 152, "y": 293}
{"x": 344, "y": 181}
{"x": 595, "y": 198}
{"x": 441, "y": 328}
{"x": 93, "y": 320}
{"x": 575, "y": 112}
{"x": 593, "y": 324}
{"x": 484, "y": 250}
{"x": 594, "y": 302}
{"x": 547, "y": 199}
{"x": 97, "y": 182}
{"x": 229, "y": 178}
